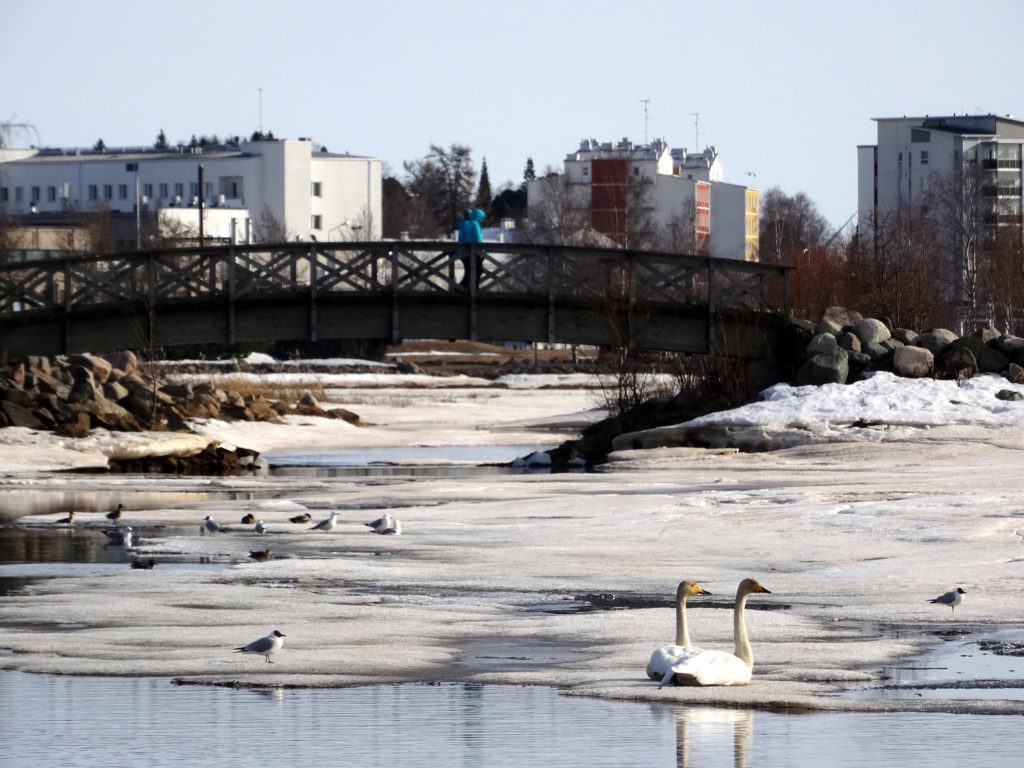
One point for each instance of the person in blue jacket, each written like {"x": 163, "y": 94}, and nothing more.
{"x": 470, "y": 231}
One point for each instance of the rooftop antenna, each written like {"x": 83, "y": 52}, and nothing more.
{"x": 696, "y": 131}
{"x": 645, "y": 102}
{"x": 261, "y": 109}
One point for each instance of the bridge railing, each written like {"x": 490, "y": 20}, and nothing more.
{"x": 448, "y": 270}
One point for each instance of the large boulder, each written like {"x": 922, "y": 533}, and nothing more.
{"x": 872, "y": 331}
{"x": 99, "y": 367}
{"x": 988, "y": 359}
{"x": 913, "y": 362}
{"x": 936, "y": 340}
{"x": 825, "y": 367}
{"x": 841, "y": 316}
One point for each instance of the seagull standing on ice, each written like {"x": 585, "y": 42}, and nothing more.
{"x": 264, "y": 646}
{"x": 952, "y": 599}
{"x": 260, "y": 528}
{"x": 325, "y": 525}
{"x": 385, "y": 524}
{"x": 211, "y": 526}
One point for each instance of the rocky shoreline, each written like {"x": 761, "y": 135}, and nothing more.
{"x": 72, "y": 395}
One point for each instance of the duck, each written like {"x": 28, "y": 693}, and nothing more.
{"x": 710, "y": 667}
{"x": 70, "y": 519}
{"x": 248, "y": 519}
{"x": 260, "y": 556}
{"x": 952, "y": 599}
{"x": 143, "y": 564}
{"x": 265, "y": 646}
{"x": 663, "y": 658}
{"x": 116, "y": 513}
{"x": 305, "y": 517}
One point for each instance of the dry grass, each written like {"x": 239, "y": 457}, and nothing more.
{"x": 272, "y": 390}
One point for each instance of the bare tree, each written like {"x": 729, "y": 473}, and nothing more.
{"x": 900, "y": 272}
{"x": 268, "y": 229}
{"x": 789, "y": 225}
{"x": 680, "y": 232}
{"x": 441, "y": 186}
{"x": 556, "y": 215}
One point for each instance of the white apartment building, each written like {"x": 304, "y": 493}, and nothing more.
{"x": 915, "y": 153}
{"x": 684, "y": 189}
{"x": 311, "y": 193}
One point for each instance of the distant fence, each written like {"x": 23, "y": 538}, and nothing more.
{"x": 391, "y": 290}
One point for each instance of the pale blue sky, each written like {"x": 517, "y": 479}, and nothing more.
{"x": 784, "y": 89}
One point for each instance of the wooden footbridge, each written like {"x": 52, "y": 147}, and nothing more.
{"x": 391, "y": 290}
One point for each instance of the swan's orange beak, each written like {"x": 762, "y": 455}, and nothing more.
{"x": 762, "y": 589}
{"x": 702, "y": 591}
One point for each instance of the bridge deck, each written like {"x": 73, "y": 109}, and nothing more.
{"x": 391, "y": 290}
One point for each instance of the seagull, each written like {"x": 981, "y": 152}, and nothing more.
{"x": 122, "y": 538}
{"x": 325, "y": 525}
{"x": 67, "y": 520}
{"x": 264, "y": 646}
{"x": 260, "y": 556}
{"x": 394, "y": 529}
{"x": 259, "y": 527}
{"x": 303, "y": 518}
{"x": 381, "y": 523}
{"x": 143, "y": 563}
{"x": 248, "y": 519}
{"x": 116, "y": 514}
{"x": 211, "y": 526}
{"x": 952, "y": 599}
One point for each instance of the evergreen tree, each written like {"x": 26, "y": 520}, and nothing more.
{"x": 161, "y": 140}
{"x": 483, "y": 191}
{"x": 528, "y": 173}
{"x": 99, "y": 146}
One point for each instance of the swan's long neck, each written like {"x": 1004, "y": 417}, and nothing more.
{"x": 739, "y": 631}
{"x": 682, "y": 634}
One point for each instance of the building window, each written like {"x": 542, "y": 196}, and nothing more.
{"x": 208, "y": 190}
{"x": 179, "y": 189}
{"x": 163, "y": 192}
{"x": 122, "y": 191}
{"x": 19, "y": 194}
{"x": 316, "y": 222}
{"x": 51, "y": 194}
{"x": 193, "y": 189}
{"x": 316, "y": 189}
{"x": 3, "y": 194}
{"x": 924, "y": 157}
{"x": 147, "y": 190}
{"x": 586, "y": 171}
{"x": 94, "y": 192}
{"x": 108, "y": 191}
{"x": 35, "y": 194}
{"x": 636, "y": 170}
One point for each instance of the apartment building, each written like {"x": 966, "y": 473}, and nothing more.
{"x": 308, "y": 192}
{"x": 913, "y": 154}
{"x": 676, "y": 189}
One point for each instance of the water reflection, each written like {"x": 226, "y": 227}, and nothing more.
{"x": 21, "y": 502}
{"x": 697, "y": 727}
{"x": 83, "y": 721}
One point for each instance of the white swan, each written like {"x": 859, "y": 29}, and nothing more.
{"x": 700, "y": 667}
{"x": 663, "y": 658}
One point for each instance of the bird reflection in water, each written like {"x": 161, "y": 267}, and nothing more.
{"x": 706, "y": 727}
